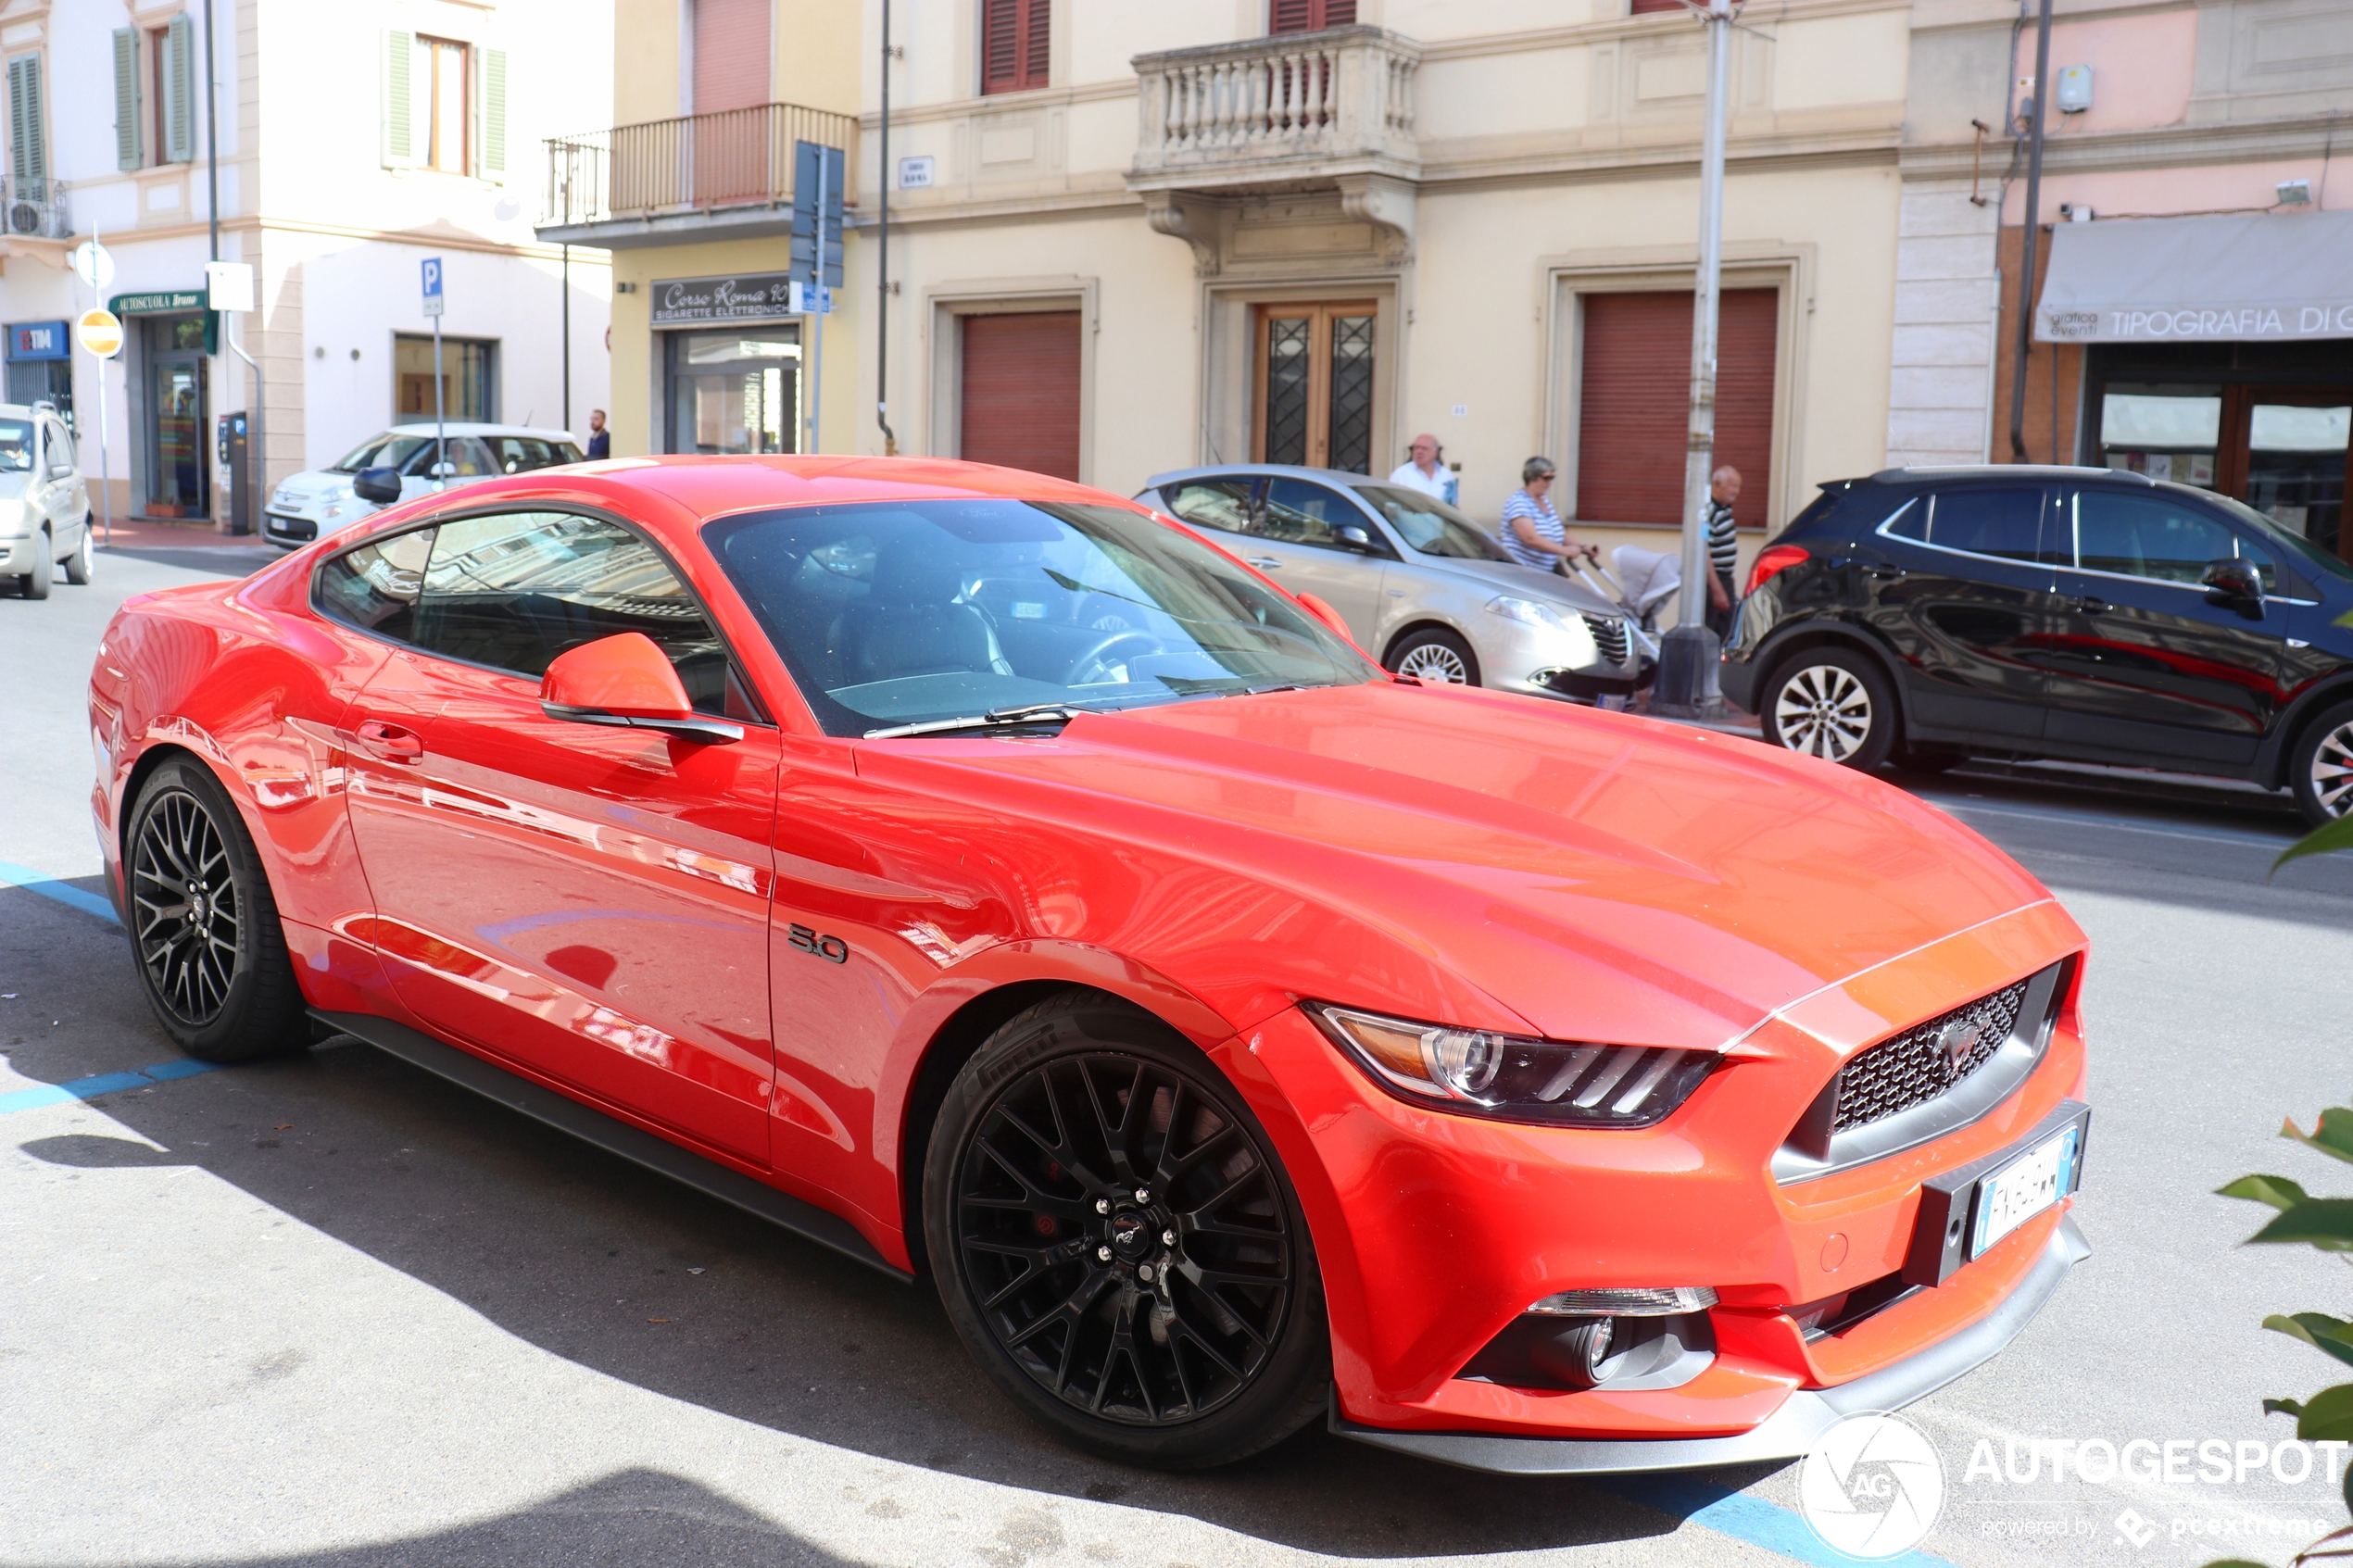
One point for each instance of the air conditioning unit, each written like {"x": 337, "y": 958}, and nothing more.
{"x": 35, "y": 209}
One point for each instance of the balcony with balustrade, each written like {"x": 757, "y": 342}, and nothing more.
{"x": 728, "y": 175}
{"x": 1269, "y": 111}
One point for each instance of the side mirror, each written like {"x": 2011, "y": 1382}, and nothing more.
{"x": 1351, "y": 537}
{"x": 1329, "y": 616}
{"x": 380, "y": 486}
{"x": 2232, "y": 577}
{"x": 445, "y": 470}
{"x": 627, "y": 681}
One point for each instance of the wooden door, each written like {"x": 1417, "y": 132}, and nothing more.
{"x": 1313, "y": 385}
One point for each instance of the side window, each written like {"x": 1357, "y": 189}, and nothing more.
{"x": 2157, "y": 536}
{"x": 58, "y": 446}
{"x": 1300, "y": 513}
{"x": 375, "y": 587}
{"x": 1221, "y": 504}
{"x": 520, "y": 454}
{"x": 515, "y": 589}
{"x": 2004, "y": 524}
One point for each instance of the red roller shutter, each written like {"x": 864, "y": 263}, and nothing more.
{"x": 731, "y": 55}
{"x": 1021, "y": 391}
{"x": 1635, "y": 403}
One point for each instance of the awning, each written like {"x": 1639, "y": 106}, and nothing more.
{"x": 2199, "y": 279}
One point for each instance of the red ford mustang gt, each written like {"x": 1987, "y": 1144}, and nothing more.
{"x": 985, "y": 877}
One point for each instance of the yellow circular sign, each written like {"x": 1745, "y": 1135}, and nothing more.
{"x": 99, "y": 331}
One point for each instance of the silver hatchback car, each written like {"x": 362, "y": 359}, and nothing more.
{"x": 1422, "y": 587}
{"x": 45, "y": 504}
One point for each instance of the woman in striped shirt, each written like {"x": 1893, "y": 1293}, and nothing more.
{"x": 1533, "y": 533}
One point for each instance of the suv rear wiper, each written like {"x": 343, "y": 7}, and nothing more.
{"x": 1030, "y": 714}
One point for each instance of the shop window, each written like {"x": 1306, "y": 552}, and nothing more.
{"x": 2282, "y": 450}
{"x": 1314, "y": 385}
{"x": 1309, "y": 16}
{"x": 1634, "y": 403}
{"x": 469, "y": 385}
{"x": 736, "y": 391}
{"x": 1015, "y": 45}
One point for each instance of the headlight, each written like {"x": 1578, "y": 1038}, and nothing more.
{"x": 1529, "y": 610}
{"x": 1512, "y": 1078}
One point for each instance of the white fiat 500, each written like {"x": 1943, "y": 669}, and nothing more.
{"x": 44, "y": 505}
{"x": 321, "y": 501}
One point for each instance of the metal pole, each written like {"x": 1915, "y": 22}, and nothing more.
{"x": 1690, "y": 652}
{"x": 567, "y": 330}
{"x": 106, "y": 474}
{"x": 440, "y": 451}
{"x": 817, "y": 318}
{"x": 212, "y": 178}
{"x": 2034, "y": 235}
{"x": 882, "y": 261}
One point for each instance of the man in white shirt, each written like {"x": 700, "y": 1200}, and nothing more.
{"x": 1424, "y": 472}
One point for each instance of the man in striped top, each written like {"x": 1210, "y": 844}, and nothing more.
{"x": 1723, "y": 549}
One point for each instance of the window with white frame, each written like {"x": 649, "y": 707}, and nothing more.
{"x": 444, "y": 106}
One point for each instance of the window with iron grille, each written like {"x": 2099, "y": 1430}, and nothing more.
{"x": 1015, "y": 42}
{"x": 1309, "y": 16}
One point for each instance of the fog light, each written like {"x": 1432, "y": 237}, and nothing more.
{"x": 1634, "y": 1302}
{"x": 1574, "y": 1355}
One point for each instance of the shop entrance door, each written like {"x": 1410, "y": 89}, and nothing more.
{"x": 2285, "y": 453}
{"x": 736, "y": 391}
{"x": 177, "y": 418}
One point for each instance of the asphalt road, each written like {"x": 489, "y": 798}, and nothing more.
{"x": 332, "y": 1310}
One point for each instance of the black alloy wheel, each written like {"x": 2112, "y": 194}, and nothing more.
{"x": 204, "y": 928}
{"x": 1117, "y": 1244}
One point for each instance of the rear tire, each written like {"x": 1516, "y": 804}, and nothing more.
{"x": 1117, "y": 1244}
{"x": 1435, "y": 656}
{"x": 1832, "y": 704}
{"x": 2319, "y": 768}
{"x": 81, "y": 565}
{"x": 34, "y": 585}
{"x": 204, "y": 932}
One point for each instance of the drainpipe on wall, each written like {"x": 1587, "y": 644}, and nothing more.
{"x": 882, "y": 264}
{"x": 2034, "y": 236}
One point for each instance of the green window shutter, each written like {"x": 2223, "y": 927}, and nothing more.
{"x": 126, "y": 99}
{"x": 28, "y": 126}
{"x": 400, "y": 146}
{"x": 493, "y": 115}
{"x": 179, "y": 91}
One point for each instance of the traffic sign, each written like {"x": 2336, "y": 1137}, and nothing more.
{"x": 93, "y": 264}
{"x": 812, "y": 299}
{"x": 99, "y": 332}
{"x": 229, "y": 285}
{"x": 431, "y": 268}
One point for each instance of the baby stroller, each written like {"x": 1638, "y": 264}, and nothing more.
{"x": 1643, "y": 581}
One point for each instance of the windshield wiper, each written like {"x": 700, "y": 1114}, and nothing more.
{"x": 1033, "y": 713}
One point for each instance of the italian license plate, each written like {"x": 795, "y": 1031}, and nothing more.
{"x": 2023, "y": 1188}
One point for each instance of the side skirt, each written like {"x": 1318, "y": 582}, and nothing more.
{"x": 614, "y": 1136}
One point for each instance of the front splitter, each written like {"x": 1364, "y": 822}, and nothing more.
{"x": 1788, "y": 1433}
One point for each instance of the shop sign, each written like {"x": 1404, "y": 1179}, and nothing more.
{"x": 165, "y": 302}
{"x": 2192, "y": 323}
{"x": 38, "y": 340}
{"x": 749, "y": 297}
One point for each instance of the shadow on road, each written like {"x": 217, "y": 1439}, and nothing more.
{"x": 575, "y": 1250}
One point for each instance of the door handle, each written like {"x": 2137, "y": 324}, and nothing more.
{"x": 389, "y": 742}
{"x": 2090, "y": 604}
{"x": 1264, "y": 563}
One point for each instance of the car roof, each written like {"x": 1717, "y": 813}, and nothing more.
{"x": 1280, "y": 470}
{"x": 455, "y": 427}
{"x": 26, "y": 410}
{"x": 1923, "y": 472}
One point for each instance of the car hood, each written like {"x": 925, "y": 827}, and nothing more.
{"x": 14, "y": 484}
{"x": 310, "y": 485}
{"x": 1600, "y": 876}
{"x": 1510, "y": 577}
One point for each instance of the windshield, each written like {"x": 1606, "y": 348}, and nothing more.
{"x": 386, "y": 451}
{"x": 1430, "y": 525}
{"x": 16, "y": 446}
{"x": 2286, "y": 541}
{"x": 900, "y": 613}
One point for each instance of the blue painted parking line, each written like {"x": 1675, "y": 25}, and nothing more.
{"x": 63, "y": 892}
{"x": 1743, "y": 1518}
{"x": 103, "y": 1084}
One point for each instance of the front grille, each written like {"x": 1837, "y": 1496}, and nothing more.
{"x": 290, "y": 527}
{"x": 1919, "y": 1064}
{"x": 1609, "y": 638}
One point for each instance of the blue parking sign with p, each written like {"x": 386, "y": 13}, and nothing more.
{"x": 432, "y": 270}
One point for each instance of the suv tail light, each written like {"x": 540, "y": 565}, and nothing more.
{"x": 1780, "y": 558}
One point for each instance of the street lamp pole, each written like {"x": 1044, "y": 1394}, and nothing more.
{"x": 1690, "y": 652}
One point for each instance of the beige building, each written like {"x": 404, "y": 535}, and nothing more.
{"x": 1127, "y": 239}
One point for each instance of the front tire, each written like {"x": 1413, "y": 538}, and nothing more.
{"x": 81, "y": 565}
{"x": 1832, "y": 704}
{"x": 2319, "y": 769}
{"x": 1117, "y": 1244}
{"x": 1435, "y": 656}
{"x": 204, "y": 929}
{"x": 34, "y": 585}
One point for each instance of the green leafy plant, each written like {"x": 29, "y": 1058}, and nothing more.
{"x": 2337, "y": 834}
{"x": 2325, "y": 1223}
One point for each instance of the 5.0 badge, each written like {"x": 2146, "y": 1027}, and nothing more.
{"x": 829, "y": 947}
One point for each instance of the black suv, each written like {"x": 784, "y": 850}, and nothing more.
{"x": 1925, "y": 615}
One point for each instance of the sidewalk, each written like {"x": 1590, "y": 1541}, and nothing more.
{"x": 153, "y": 534}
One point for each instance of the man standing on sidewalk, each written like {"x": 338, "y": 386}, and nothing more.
{"x": 1723, "y": 549}
{"x": 1423, "y": 471}
{"x": 599, "y": 438}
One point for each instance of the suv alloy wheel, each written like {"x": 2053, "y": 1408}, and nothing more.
{"x": 1832, "y": 704}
